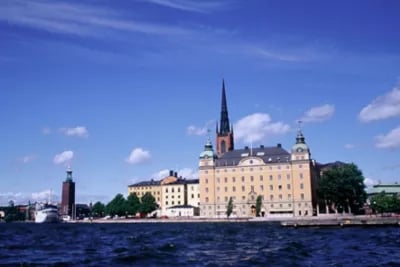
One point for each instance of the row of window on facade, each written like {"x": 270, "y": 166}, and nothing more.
{"x": 279, "y": 167}
{"x": 253, "y": 198}
{"x": 280, "y": 205}
{"x": 271, "y": 188}
{"x": 261, "y": 178}
{"x": 144, "y": 192}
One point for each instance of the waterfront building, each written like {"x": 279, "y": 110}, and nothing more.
{"x": 388, "y": 189}
{"x": 285, "y": 181}
{"x": 68, "y": 196}
{"x": 169, "y": 192}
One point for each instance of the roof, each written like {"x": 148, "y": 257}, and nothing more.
{"x": 267, "y": 154}
{"x": 182, "y": 181}
{"x": 388, "y": 188}
{"x": 146, "y": 183}
{"x": 329, "y": 165}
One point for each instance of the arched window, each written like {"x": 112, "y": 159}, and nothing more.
{"x": 223, "y": 146}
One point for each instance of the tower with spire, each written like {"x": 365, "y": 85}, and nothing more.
{"x": 68, "y": 195}
{"x": 224, "y": 133}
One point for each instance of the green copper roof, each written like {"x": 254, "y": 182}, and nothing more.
{"x": 388, "y": 188}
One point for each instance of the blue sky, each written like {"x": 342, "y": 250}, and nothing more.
{"x": 124, "y": 90}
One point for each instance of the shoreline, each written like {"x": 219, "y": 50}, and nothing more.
{"x": 322, "y": 221}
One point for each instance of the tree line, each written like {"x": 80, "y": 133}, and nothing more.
{"x": 132, "y": 205}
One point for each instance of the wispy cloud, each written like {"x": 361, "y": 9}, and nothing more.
{"x": 46, "y": 130}
{"x": 138, "y": 156}
{"x": 349, "y": 146}
{"x": 203, "y": 6}
{"x": 382, "y": 107}
{"x": 79, "y": 131}
{"x": 27, "y": 159}
{"x": 319, "y": 114}
{"x": 199, "y": 130}
{"x": 64, "y": 157}
{"x": 370, "y": 182}
{"x": 257, "y": 126}
{"x": 77, "y": 19}
{"x": 390, "y": 140}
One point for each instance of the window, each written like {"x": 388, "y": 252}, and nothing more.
{"x": 288, "y": 186}
{"x": 251, "y": 169}
{"x": 270, "y": 177}
{"x": 280, "y": 187}
{"x": 217, "y": 179}
{"x": 300, "y": 166}
{"x": 252, "y": 188}
{"x": 271, "y": 197}
{"x": 251, "y": 178}
{"x": 243, "y": 188}
{"x": 302, "y": 196}
{"x": 226, "y": 179}
{"x": 243, "y": 198}
{"x": 166, "y": 190}
{"x": 166, "y": 202}
{"x": 179, "y": 189}
{"x": 172, "y": 190}
{"x": 179, "y": 202}
{"x": 192, "y": 195}
{"x": 206, "y": 199}
{"x": 206, "y": 183}
{"x": 166, "y": 196}
{"x": 301, "y": 186}
{"x": 173, "y": 203}
{"x": 226, "y": 189}
{"x": 242, "y": 178}
{"x": 234, "y": 189}
{"x": 280, "y": 205}
{"x": 280, "y": 196}
{"x": 217, "y": 188}
{"x": 225, "y": 170}
{"x": 206, "y": 189}
{"x": 233, "y": 179}
{"x": 271, "y": 187}
{"x": 226, "y": 199}
{"x": 261, "y": 187}
{"x": 288, "y": 176}
{"x": 261, "y": 178}
{"x": 172, "y": 196}
{"x": 279, "y": 177}
{"x": 289, "y": 196}
{"x": 301, "y": 176}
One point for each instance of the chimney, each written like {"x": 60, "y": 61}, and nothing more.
{"x": 176, "y": 174}
{"x": 279, "y": 145}
{"x": 262, "y": 146}
{"x": 246, "y": 148}
{"x": 171, "y": 173}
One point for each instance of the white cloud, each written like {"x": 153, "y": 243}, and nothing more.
{"x": 20, "y": 198}
{"x": 194, "y": 130}
{"x": 27, "y": 159}
{"x": 138, "y": 156}
{"x": 390, "y": 140}
{"x": 202, "y": 6}
{"x": 187, "y": 173}
{"x": 77, "y": 19}
{"x": 370, "y": 182}
{"x": 382, "y": 107}
{"x": 318, "y": 114}
{"x": 256, "y": 127}
{"x": 79, "y": 131}
{"x": 63, "y": 157}
{"x": 46, "y": 131}
{"x": 349, "y": 146}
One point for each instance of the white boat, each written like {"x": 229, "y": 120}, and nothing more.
{"x": 46, "y": 213}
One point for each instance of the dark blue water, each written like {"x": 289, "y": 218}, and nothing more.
{"x": 196, "y": 244}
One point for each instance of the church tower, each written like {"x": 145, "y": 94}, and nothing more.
{"x": 225, "y": 131}
{"x": 68, "y": 195}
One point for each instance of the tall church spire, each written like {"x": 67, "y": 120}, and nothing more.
{"x": 225, "y": 132}
{"x": 224, "y": 122}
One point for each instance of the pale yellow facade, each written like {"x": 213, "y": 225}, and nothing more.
{"x": 284, "y": 182}
{"x": 140, "y": 190}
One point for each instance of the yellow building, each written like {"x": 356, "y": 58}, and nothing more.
{"x": 285, "y": 181}
{"x": 170, "y": 191}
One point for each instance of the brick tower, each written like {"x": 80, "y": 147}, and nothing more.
{"x": 68, "y": 195}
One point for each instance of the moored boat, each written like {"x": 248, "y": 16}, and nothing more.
{"x": 46, "y": 213}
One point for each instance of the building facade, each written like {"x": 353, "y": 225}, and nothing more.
{"x": 170, "y": 192}
{"x": 284, "y": 180}
{"x": 68, "y": 196}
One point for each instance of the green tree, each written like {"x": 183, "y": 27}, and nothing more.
{"x": 258, "y": 205}
{"x": 229, "y": 207}
{"x": 98, "y": 209}
{"x": 342, "y": 188}
{"x": 148, "y": 203}
{"x": 133, "y": 204}
{"x": 117, "y": 206}
{"x": 383, "y": 203}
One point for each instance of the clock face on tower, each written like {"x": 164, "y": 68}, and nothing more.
{"x": 299, "y": 149}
